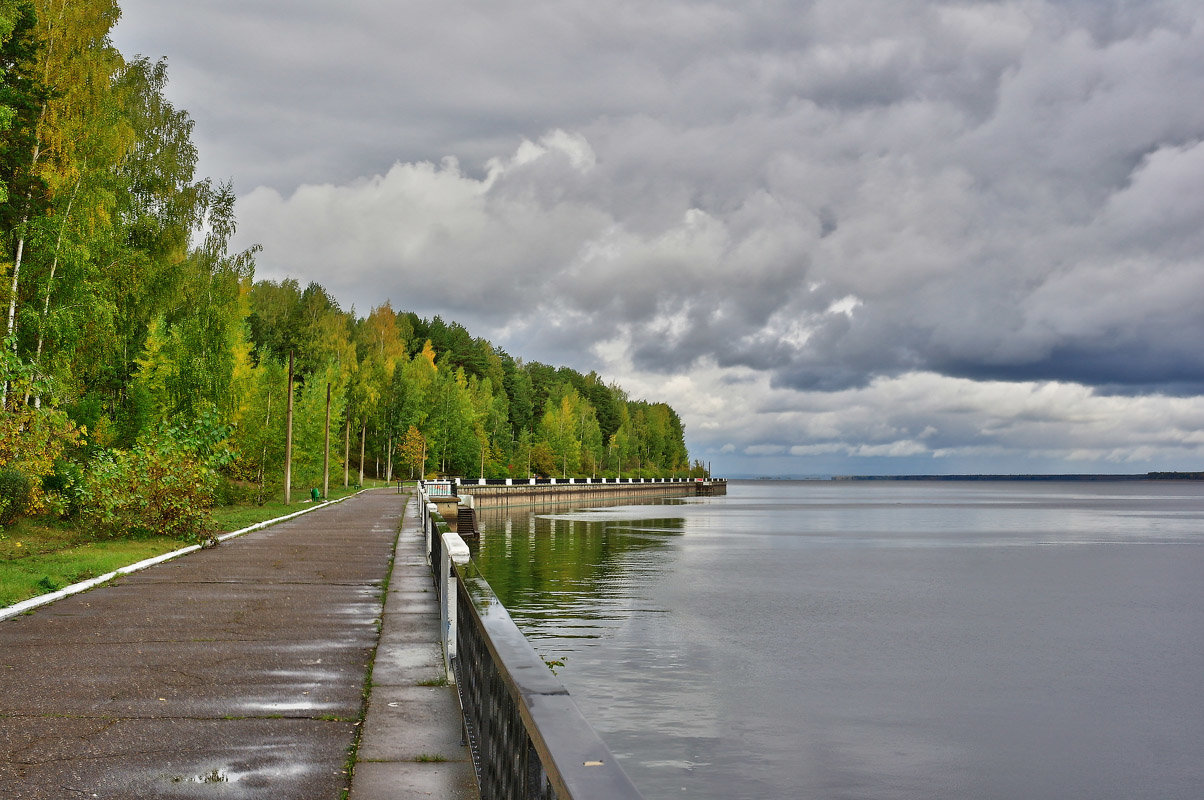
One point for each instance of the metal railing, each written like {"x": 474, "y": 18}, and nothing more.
{"x": 528, "y": 738}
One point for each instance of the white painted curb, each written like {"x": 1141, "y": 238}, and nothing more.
{"x": 83, "y": 586}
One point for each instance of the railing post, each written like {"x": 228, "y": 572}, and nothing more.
{"x": 428, "y": 528}
{"x": 454, "y": 550}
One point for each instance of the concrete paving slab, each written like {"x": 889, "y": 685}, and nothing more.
{"x": 416, "y": 596}
{"x": 390, "y": 781}
{"x": 420, "y": 605}
{"x": 406, "y": 723}
{"x": 406, "y": 663}
{"x": 409, "y": 627}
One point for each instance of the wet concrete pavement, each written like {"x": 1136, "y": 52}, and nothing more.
{"x": 227, "y": 673}
{"x": 412, "y": 744}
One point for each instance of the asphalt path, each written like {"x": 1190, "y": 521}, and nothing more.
{"x": 237, "y": 671}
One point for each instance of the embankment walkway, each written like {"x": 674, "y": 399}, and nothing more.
{"x": 240, "y": 671}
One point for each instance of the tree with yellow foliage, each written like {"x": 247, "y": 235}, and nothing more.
{"x": 412, "y": 452}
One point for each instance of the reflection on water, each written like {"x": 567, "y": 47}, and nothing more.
{"x": 569, "y": 575}
{"x": 885, "y": 640}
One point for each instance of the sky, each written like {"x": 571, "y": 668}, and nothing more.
{"x": 838, "y": 236}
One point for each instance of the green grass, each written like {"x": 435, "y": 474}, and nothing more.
{"x": 440, "y": 681}
{"x": 38, "y": 556}
{"x": 233, "y": 518}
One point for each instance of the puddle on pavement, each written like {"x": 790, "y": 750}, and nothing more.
{"x": 213, "y": 776}
{"x": 365, "y": 610}
{"x": 306, "y": 678}
{"x": 284, "y": 706}
{"x": 321, "y": 646}
{"x": 234, "y": 780}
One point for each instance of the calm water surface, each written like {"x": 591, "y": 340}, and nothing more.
{"x": 878, "y": 640}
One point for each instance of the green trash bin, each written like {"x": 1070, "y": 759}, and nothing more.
{"x": 315, "y": 495}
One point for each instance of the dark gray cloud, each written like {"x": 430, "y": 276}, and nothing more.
{"x": 818, "y": 198}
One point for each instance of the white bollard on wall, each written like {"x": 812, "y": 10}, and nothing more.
{"x": 431, "y": 510}
{"x": 454, "y": 550}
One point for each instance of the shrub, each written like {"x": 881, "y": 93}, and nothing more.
{"x": 155, "y": 488}
{"x": 32, "y": 441}
{"x": 16, "y": 491}
{"x": 231, "y": 492}
{"x": 164, "y": 485}
{"x": 64, "y": 487}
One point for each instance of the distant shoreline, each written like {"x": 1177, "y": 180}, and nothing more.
{"x": 1076, "y": 477}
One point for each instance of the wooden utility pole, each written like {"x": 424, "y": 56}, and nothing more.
{"x": 288, "y": 437}
{"x": 326, "y": 451}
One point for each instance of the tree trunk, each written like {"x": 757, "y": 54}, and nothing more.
{"x": 54, "y": 266}
{"x": 288, "y": 437}
{"x": 267, "y": 426}
{"x": 12, "y": 300}
{"x": 326, "y": 450}
{"x": 389, "y": 460}
{"x": 363, "y": 437}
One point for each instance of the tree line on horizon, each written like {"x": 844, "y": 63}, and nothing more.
{"x": 143, "y": 369}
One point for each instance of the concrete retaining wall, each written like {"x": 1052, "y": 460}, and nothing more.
{"x": 524, "y": 494}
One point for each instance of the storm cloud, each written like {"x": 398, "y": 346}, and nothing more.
{"x": 932, "y": 234}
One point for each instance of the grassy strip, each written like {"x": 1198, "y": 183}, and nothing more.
{"x": 31, "y": 564}
{"x": 234, "y": 518}
{"x": 38, "y": 556}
